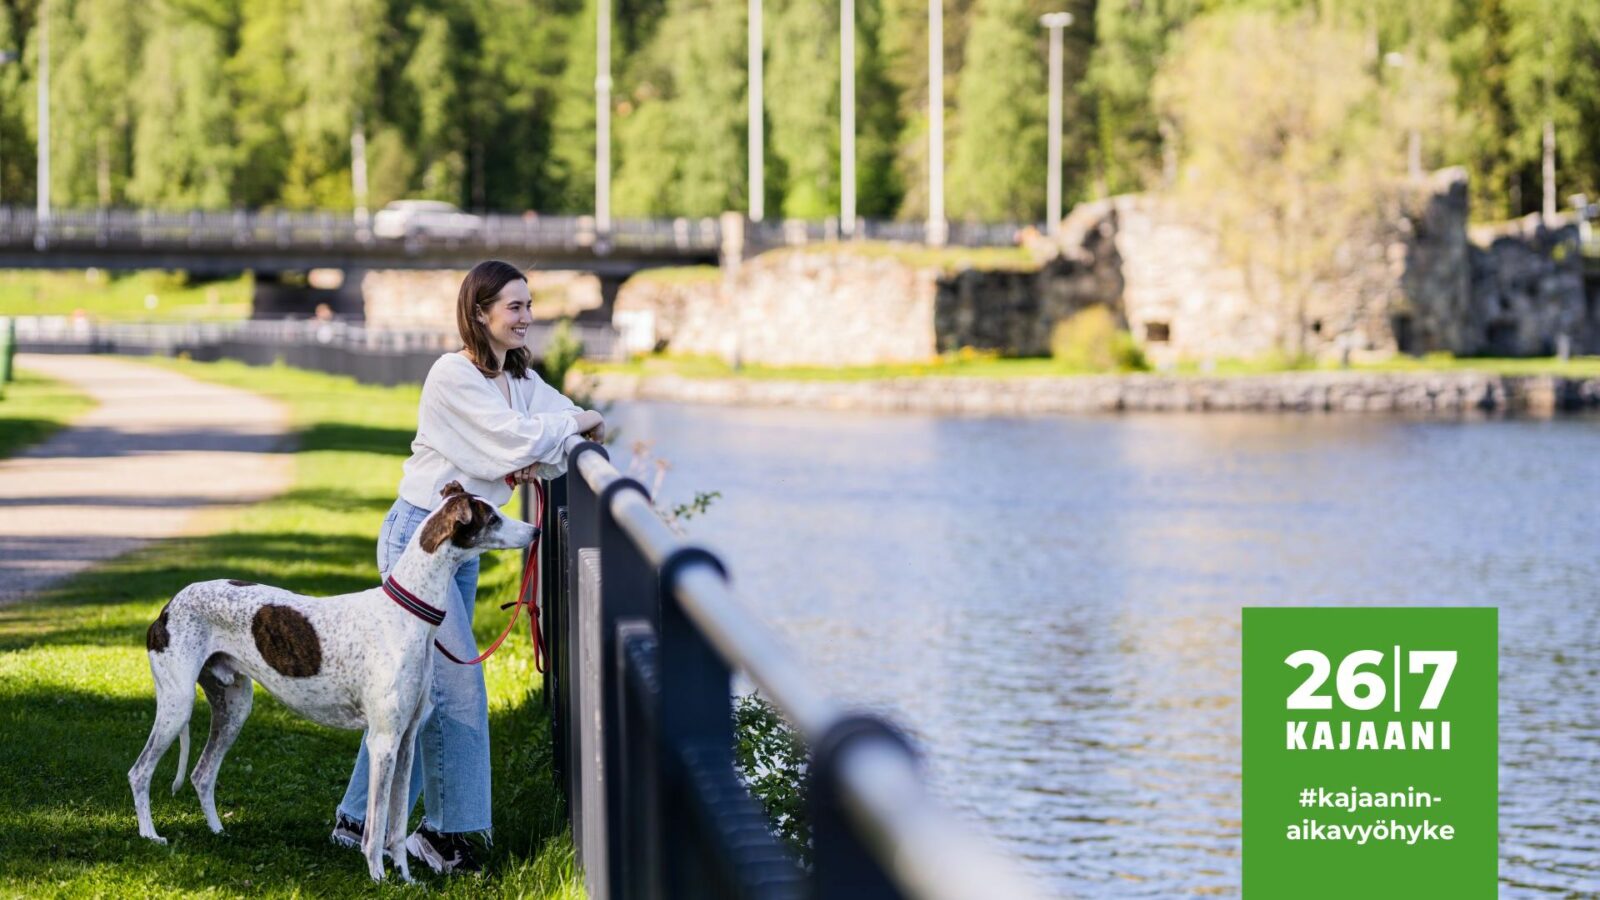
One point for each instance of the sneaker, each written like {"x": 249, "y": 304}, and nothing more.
{"x": 346, "y": 832}
{"x": 444, "y": 853}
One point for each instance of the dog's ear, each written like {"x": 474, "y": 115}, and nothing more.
{"x": 442, "y": 525}
{"x": 452, "y": 489}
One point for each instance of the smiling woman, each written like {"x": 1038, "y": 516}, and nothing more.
{"x": 486, "y": 420}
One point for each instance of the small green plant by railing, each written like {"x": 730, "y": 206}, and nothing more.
{"x": 772, "y": 759}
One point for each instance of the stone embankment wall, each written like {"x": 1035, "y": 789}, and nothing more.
{"x": 839, "y": 307}
{"x": 425, "y": 300}
{"x": 1455, "y": 393}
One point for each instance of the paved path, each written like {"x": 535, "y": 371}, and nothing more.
{"x": 158, "y": 451}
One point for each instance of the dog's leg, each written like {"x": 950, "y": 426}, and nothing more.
{"x": 183, "y": 757}
{"x": 381, "y": 752}
{"x": 230, "y": 706}
{"x": 174, "y": 703}
{"x": 400, "y": 793}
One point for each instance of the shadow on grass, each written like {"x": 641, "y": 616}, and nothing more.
{"x": 69, "y": 815}
{"x": 20, "y": 433}
{"x": 326, "y": 565}
{"x": 339, "y": 436}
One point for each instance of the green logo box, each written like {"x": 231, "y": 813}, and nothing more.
{"x": 1369, "y": 772}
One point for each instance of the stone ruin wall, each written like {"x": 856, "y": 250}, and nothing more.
{"x": 1418, "y": 284}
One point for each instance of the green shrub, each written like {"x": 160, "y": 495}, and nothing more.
{"x": 1090, "y": 341}
{"x": 771, "y": 758}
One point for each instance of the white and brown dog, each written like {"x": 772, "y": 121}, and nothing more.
{"x": 362, "y": 660}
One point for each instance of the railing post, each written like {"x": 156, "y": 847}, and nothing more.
{"x": 724, "y": 848}
{"x": 582, "y": 532}
{"x": 627, "y": 595}
{"x": 550, "y": 549}
{"x": 842, "y": 866}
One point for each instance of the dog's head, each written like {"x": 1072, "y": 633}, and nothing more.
{"x": 471, "y": 523}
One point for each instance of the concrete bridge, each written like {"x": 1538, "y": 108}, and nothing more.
{"x": 222, "y": 242}
{"x": 273, "y": 243}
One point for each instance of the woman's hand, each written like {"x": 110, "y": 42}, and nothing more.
{"x": 591, "y": 425}
{"x": 524, "y": 476}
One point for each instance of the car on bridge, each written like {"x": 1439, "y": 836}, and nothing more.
{"x": 425, "y": 218}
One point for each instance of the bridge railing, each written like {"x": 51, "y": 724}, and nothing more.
{"x": 20, "y": 226}
{"x": 369, "y": 355}
{"x": 234, "y": 229}
{"x": 797, "y": 232}
{"x": 644, "y": 635}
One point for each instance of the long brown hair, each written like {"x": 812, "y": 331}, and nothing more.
{"x": 479, "y": 289}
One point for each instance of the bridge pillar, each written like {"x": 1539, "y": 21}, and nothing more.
{"x": 738, "y": 241}
{"x": 284, "y": 295}
{"x": 610, "y": 286}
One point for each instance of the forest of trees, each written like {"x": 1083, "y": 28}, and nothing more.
{"x": 490, "y": 103}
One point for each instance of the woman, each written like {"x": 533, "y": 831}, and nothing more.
{"x": 484, "y": 415}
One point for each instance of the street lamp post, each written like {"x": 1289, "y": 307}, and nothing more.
{"x": 1396, "y": 60}
{"x": 847, "y": 118}
{"x": 1055, "y": 22}
{"x": 757, "y": 187}
{"x": 7, "y": 57}
{"x": 937, "y": 228}
{"x": 44, "y": 122}
{"x": 602, "y": 118}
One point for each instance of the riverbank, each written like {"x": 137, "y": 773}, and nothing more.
{"x": 1425, "y": 392}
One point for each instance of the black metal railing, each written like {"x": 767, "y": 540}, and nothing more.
{"x": 644, "y": 636}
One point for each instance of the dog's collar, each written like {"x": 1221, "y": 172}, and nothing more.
{"x": 411, "y": 603}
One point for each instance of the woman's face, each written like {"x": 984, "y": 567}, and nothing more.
{"x": 508, "y": 316}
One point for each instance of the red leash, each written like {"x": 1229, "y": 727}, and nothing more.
{"x": 530, "y": 575}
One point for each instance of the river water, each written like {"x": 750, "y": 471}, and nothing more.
{"x": 1051, "y": 605}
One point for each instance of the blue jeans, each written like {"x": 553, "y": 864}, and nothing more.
{"x": 450, "y": 767}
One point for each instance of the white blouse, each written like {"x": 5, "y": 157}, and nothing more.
{"x": 467, "y": 432}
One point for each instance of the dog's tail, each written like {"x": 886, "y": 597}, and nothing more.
{"x": 183, "y": 757}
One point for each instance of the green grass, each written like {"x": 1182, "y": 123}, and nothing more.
{"x": 76, "y": 700}
{"x": 948, "y": 259}
{"x": 122, "y": 296}
{"x": 970, "y": 364}
{"x": 681, "y": 275}
{"x": 33, "y": 407}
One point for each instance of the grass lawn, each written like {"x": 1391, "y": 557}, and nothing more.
{"x": 76, "y": 700}
{"x": 922, "y": 256}
{"x": 33, "y": 407}
{"x": 123, "y": 296}
{"x": 971, "y": 364}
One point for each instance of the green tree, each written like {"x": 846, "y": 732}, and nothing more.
{"x": 16, "y": 118}
{"x": 1553, "y": 84}
{"x": 997, "y": 159}
{"x": 264, "y": 92}
{"x": 95, "y": 61}
{"x": 879, "y": 118}
{"x": 802, "y": 92}
{"x": 183, "y": 149}
{"x": 434, "y": 127}
{"x": 1281, "y": 124}
{"x": 1131, "y": 41}
{"x": 571, "y": 160}
{"x": 681, "y": 126}
{"x": 514, "y": 80}
{"x": 335, "y": 46}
